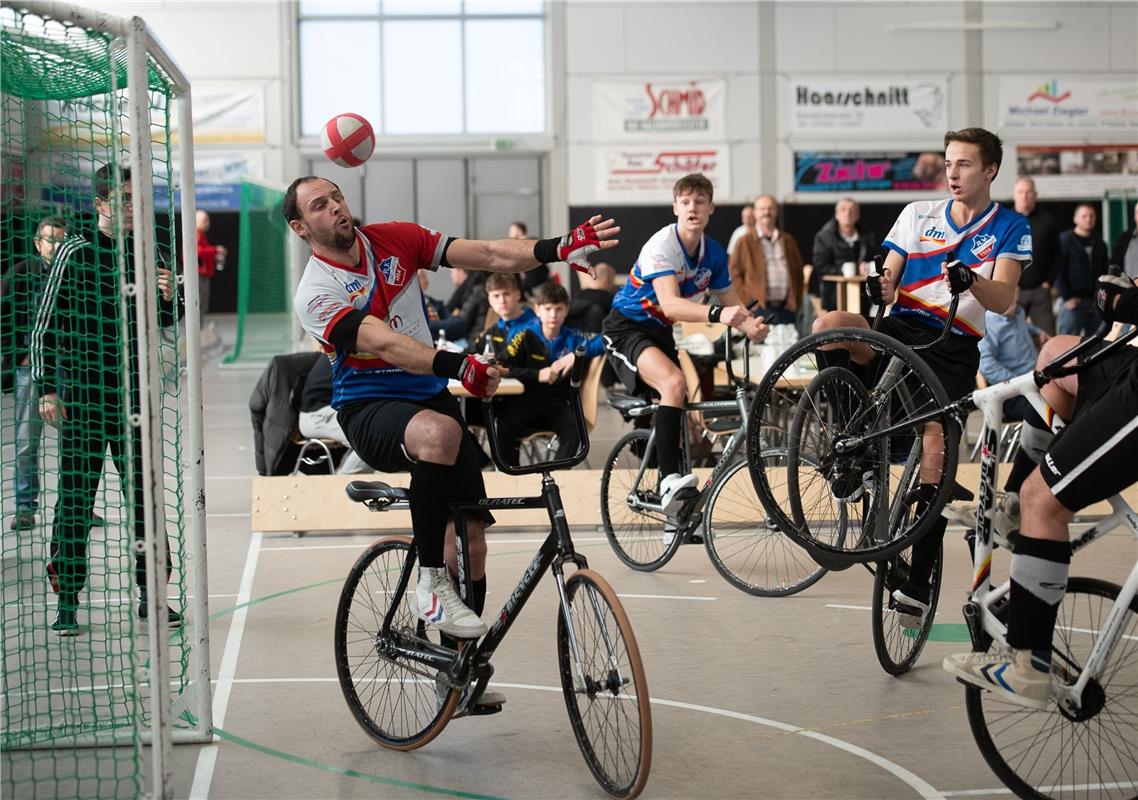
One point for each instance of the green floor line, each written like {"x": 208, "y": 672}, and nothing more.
{"x": 351, "y": 773}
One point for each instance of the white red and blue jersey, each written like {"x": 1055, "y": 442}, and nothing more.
{"x": 385, "y": 285}
{"x": 664, "y": 254}
{"x": 926, "y": 236}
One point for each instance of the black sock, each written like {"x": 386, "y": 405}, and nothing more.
{"x": 478, "y": 595}
{"x": 1039, "y": 580}
{"x": 668, "y": 439}
{"x": 926, "y": 549}
{"x": 429, "y": 493}
{"x": 1022, "y": 465}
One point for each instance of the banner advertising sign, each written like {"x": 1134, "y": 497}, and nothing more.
{"x": 878, "y": 106}
{"x": 868, "y": 172}
{"x": 644, "y": 173}
{"x": 659, "y": 109}
{"x": 1079, "y": 170}
{"x": 1060, "y": 105}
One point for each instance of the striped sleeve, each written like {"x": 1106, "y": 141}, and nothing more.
{"x": 42, "y": 343}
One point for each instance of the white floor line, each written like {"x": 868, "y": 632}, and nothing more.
{"x": 207, "y": 757}
{"x": 622, "y": 596}
{"x": 852, "y": 608}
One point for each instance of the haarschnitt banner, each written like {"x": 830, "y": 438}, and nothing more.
{"x": 851, "y": 105}
{"x": 669, "y": 109}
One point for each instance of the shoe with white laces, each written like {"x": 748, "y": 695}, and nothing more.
{"x": 911, "y": 609}
{"x": 435, "y": 600}
{"x": 489, "y": 702}
{"x": 1022, "y": 677}
{"x": 1005, "y": 516}
{"x": 671, "y": 488}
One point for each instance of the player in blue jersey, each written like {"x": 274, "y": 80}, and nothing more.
{"x": 964, "y": 245}
{"x": 361, "y": 298}
{"x": 679, "y": 262}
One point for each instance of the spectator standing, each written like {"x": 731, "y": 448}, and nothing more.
{"x": 1035, "y": 284}
{"x": 747, "y": 217}
{"x": 767, "y": 266}
{"x": 841, "y": 240}
{"x": 590, "y": 306}
{"x": 1082, "y": 260}
{"x": 1126, "y": 249}
{"x": 211, "y": 259}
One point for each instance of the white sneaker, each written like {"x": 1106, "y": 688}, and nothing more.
{"x": 1005, "y": 516}
{"x": 911, "y": 612}
{"x": 1013, "y": 675}
{"x": 435, "y": 600}
{"x": 671, "y": 528}
{"x": 671, "y": 487}
{"x": 489, "y": 701}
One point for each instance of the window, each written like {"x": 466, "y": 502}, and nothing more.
{"x": 424, "y": 66}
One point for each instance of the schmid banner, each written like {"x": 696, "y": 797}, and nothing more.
{"x": 659, "y": 109}
{"x": 868, "y": 172}
{"x": 1110, "y": 106}
{"x": 646, "y": 174}
{"x": 842, "y": 105}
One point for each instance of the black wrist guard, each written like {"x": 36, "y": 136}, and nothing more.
{"x": 447, "y": 364}
{"x": 714, "y": 311}
{"x": 545, "y": 251}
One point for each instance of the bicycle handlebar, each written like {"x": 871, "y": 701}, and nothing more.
{"x": 878, "y": 263}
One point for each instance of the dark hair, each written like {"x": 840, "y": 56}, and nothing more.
{"x": 1091, "y": 206}
{"x": 550, "y": 293}
{"x": 50, "y": 222}
{"x": 105, "y": 180}
{"x": 497, "y": 281}
{"x": 695, "y": 182}
{"x": 521, "y": 226}
{"x": 991, "y": 148}
{"x": 289, "y": 207}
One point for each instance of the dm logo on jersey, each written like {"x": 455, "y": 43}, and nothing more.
{"x": 355, "y": 290}
{"x": 934, "y": 235}
{"x": 392, "y": 272}
{"x": 982, "y": 245}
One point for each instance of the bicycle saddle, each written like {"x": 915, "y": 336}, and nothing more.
{"x": 628, "y": 405}
{"x": 367, "y": 491}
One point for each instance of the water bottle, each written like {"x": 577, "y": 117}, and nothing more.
{"x": 441, "y": 342}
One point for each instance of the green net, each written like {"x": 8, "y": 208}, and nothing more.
{"x": 75, "y": 652}
{"x": 263, "y": 305}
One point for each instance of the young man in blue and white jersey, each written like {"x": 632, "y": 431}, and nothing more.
{"x": 676, "y": 264}
{"x": 361, "y": 298}
{"x": 965, "y": 245}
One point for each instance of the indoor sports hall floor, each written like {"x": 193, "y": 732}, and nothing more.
{"x": 772, "y": 698}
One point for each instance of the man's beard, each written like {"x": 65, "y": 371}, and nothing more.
{"x": 336, "y": 240}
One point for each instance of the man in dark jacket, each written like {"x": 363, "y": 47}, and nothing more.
{"x": 274, "y": 406}
{"x": 1035, "y": 283}
{"x": 1082, "y": 261}
{"x": 841, "y": 240}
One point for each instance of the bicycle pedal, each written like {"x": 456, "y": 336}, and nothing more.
{"x": 481, "y": 711}
{"x": 693, "y": 538}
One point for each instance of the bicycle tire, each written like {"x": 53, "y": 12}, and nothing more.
{"x": 635, "y": 535}
{"x": 750, "y": 552}
{"x": 897, "y": 646}
{"x": 621, "y": 767}
{"x": 376, "y": 685}
{"x": 916, "y": 391}
{"x": 1046, "y": 754}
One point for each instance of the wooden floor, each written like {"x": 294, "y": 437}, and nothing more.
{"x": 772, "y": 698}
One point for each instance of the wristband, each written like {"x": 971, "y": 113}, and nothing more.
{"x": 545, "y": 251}
{"x": 714, "y": 312}
{"x": 447, "y": 364}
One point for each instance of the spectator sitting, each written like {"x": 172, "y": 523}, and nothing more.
{"x": 542, "y": 360}
{"x": 438, "y": 321}
{"x": 1007, "y": 351}
{"x": 468, "y": 301}
{"x": 1082, "y": 260}
{"x": 592, "y": 303}
{"x": 747, "y": 217}
{"x": 317, "y": 418}
{"x": 841, "y": 240}
{"x": 536, "y": 276}
{"x": 505, "y": 298}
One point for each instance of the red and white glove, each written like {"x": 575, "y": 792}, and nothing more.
{"x": 474, "y": 375}
{"x": 576, "y": 245}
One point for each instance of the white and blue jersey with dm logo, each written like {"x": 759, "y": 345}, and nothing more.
{"x": 925, "y": 235}
{"x": 385, "y": 285}
{"x": 664, "y": 254}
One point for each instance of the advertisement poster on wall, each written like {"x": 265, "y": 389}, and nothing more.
{"x": 1079, "y": 170}
{"x": 869, "y": 172}
{"x": 669, "y": 109}
{"x": 646, "y": 173}
{"x": 843, "y": 105}
{"x": 1049, "y": 104}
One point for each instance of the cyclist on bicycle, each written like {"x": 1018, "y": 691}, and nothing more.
{"x": 676, "y": 264}
{"x": 965, "y": 244}
{"x": 360, "y": 297}
{"x": 1090, "y": 460}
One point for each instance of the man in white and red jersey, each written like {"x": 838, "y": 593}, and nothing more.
{"x": 360, "y": 297}
{"x": 965, "y": 245}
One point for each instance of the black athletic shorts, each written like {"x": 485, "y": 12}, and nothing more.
{"x": 375, "y": 431}
{"x": 955, "y": 362}
{"x": 626, "y": 339}
{"x": 1093, "y": 458}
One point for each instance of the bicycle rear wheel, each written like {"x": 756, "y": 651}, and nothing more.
{"x": 898, "y": 646}
{"x": 606, "y": 692}
{"x": 393, "y": 698}
{"x": 745, "y": 546}
{"x": 636, "y": 535}
{"x": 1049, "y": 754}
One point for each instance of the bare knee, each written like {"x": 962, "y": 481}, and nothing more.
{"x": 433, "y": 437}
{"x": 1053, "y": 348}
{"x": 837, "y": 319}
{"x": 1039, "y": 506}
{"x": 673, "y": 390}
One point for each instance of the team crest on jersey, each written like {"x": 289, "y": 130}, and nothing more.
{"x": 392, "y": 272}
{"x": 1024, "y": 245}
{"x": 934, "y": 235}
{"x": 982, "y": 245}
{"x": 701, "y": 278}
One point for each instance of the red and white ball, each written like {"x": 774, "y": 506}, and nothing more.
{"x": 348, "y": 140}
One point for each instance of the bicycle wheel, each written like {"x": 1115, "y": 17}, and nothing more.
{"x": 898, "y": 647}
{"x": 1050, "y": 754}
{"x": 744, "y": 545}
{"x": 393, "y": 698}
{"x": 606, "y": 693}
{"x": 855, "y": 504}
{"x": 637, "y": 535}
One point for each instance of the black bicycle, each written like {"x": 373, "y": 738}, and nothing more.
{"x": 403, "y": 684}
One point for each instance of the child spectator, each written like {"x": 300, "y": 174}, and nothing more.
{"x": 505, "y": 297}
